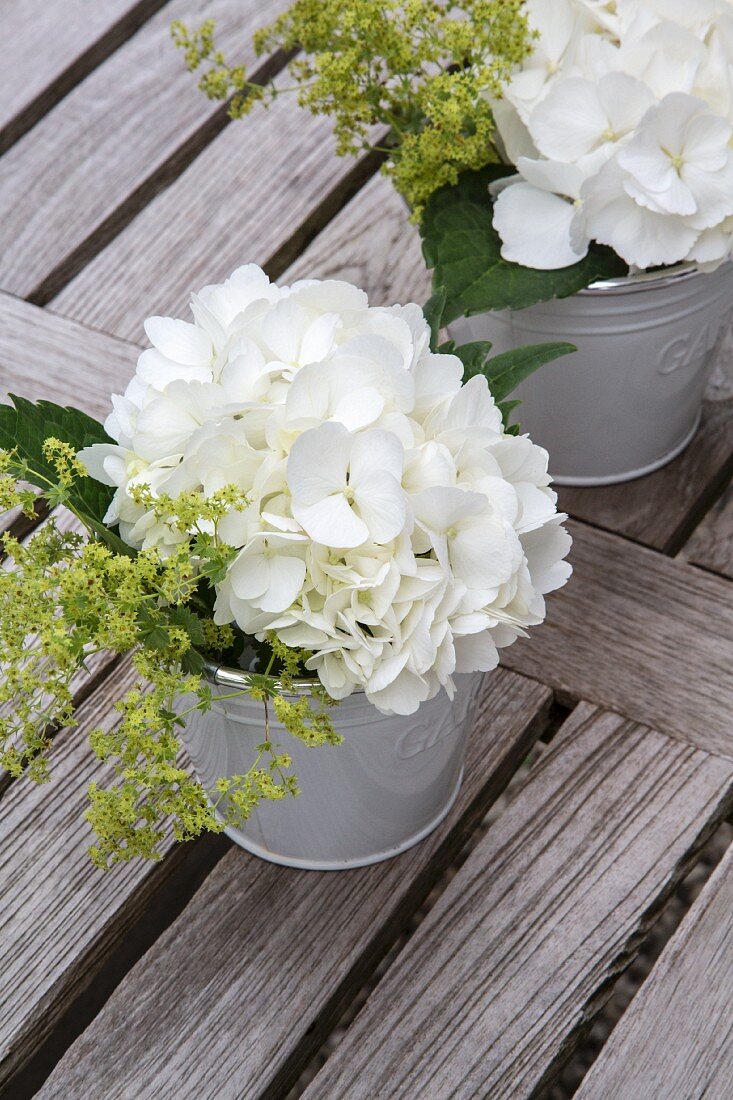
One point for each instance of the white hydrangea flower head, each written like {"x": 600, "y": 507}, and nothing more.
{"x": 619, "y": 125}
{"x": 393, "y": 528}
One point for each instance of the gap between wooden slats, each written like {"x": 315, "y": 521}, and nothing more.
{"x": 711, "y": 545}
{"x": 16, "y": 523}
{"x": 676, "y": 1039}
{"x": 62, "y": 919}
{"x": 242, "y": 989}
{"x": 642, "y": 634}
{"x": 48, "y": 48}
{"x": 257, "y": 194}
{"x": 129, "y": 129}
{"x": 492, "y": 991}
{"x": 46, "y": 356}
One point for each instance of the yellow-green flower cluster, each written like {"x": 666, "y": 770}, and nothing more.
{"x": 64, "y": 598}
{"x": 409, "y": 77}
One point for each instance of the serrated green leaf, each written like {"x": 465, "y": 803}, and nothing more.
{"x": 157, "y": 638}
{"x": 192, "y": 663}
{"x": 24, "y": 427}
{"x": 462, "y": 246}
{"x": 190, "y": 622}
{"x": 505, "y": 372}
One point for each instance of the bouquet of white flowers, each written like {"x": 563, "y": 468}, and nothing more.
{"x": 392, "y": 528}
{"x": 620, "y": 124}
{"x": 297, "y": 491}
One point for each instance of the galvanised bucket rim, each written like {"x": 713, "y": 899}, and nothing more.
{"x": 647, "y": 280}
{"x": 240, "y": 679}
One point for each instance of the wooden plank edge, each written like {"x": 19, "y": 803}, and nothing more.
{"x": 632, "y": 1042}
{"x": 410, "y": 879}
{"x": 155, "y": 905}
{"x": 125, "y": 27}
{"x": 710, "y": 546}
{"x": 700, "y": 829}
{"x": 163, "y": 176}
{"x": 19, "y": 525}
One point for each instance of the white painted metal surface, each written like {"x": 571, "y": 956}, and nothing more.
{"x": 389, "y": 785}
{"x": 629, "y": 400}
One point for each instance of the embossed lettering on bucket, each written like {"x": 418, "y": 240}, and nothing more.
{"x": 629, "y": 400}
{"x": 390, "y": 783}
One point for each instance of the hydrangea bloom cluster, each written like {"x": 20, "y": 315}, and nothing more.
{"x": 620, "y": 126}
{"x": 392, "y": 528}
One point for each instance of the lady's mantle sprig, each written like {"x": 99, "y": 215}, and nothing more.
{"x": 65, "y": 598}
{"x": 418, "y": 69}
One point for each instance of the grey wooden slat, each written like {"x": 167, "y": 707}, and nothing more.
{"x": 232, "y": 999}
{"x": 16, "y": 523}
{"x": 48, "y": 47}
{"x": 71, "y": 182}
{"x": 711, "y": 544}
{"x": 642, "y": 634}
{"x": 676, "y": 1039}
{"x": 46, "y": 356}
{"x": 372, "y": 244}
{"x": 660, "y": 510}
{"x": 252, "y": 196}
{"x": 60, "y": 916}
{"x": 519, "y": 952}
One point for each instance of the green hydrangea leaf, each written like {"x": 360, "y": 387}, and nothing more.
{"x": 474, "y": 357}
{"x": 189, "y": 621}
{"x": 464, "y": 250}
{"x": 506, "y": 371}
{"x": 506, "y": 408}
{"x": 433, "y": 310}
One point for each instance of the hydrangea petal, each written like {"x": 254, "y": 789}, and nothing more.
{"x": 535, "y": 228}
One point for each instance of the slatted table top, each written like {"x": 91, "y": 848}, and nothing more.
{"x": 212, "y": 974}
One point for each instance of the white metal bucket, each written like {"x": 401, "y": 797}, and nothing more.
{"x": 629, "y": 400}
{"x": 390, "y": 783}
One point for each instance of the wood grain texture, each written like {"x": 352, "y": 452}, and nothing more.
{"x": 518, "y": 953}
{"x": 676, "y": 1039}
{"x": 48, "y": 47}
{"x": 231, "y": 1001}
{"x": 641, "y": 634}
{"x": 60, "y": 915}
{"x": 370, "y": 243}
{"x": 46, "y": 356}
{"x": 660, "y": 510}
{"x": 711, "y": 544}
{"x": 18, "y": 524}
{"x": 248, "y": 198}
{"x": 88, "y": 165}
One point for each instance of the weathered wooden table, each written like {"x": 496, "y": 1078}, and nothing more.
{"x": 212, "y": 974}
